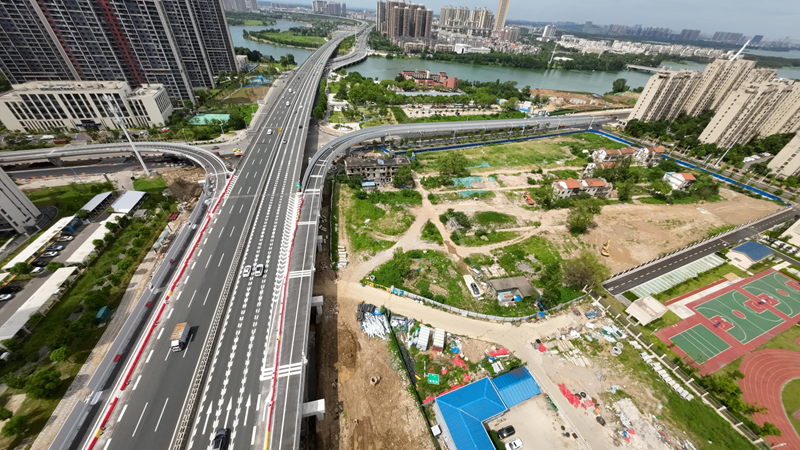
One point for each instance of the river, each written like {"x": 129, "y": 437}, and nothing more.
{"x": 563, "y": 80}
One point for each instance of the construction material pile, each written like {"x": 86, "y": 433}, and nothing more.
{"x": 576, "y": 399}
{"x": 372, "y": 321}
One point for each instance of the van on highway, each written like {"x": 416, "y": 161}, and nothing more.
{"x": 287, "y": 104}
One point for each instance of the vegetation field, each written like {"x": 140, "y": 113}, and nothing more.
{"x": 525, "y": 153}
{"x": 493, "y": 219}
{"x": 144, "y": 184}
{"x": 290, "y": 38}
{"x": 492, "y": 237}
{"x": 69, "y": 198}
{"x": 371, "y": 218}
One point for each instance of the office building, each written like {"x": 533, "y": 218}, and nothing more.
{"x": 755, "y": 109}
{"x": 76, "y": 105}
{"x": 17, "y": 213}
{"x": 179, "y": 44}
{"x": 787, "y": 162}
{"x": 665, "y": 95}
{"x": 502, "y": 12}
{"x": 549, "y": 32}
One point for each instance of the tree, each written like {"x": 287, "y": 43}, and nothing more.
{"x": 59, "y": 354}
{"x": 112, "y": 227}
{"x": 52, "y": 266}
{"x": 16, "y": 426}
{"x": 290, "y": 59}
{"x": 511, "y": 104}
{"x": 82, "y": 214}
{"x": 620, "y": 86}
{"x": 624, "y": 190}
{"x": 579, "y": 218}
{"x": 704, "y": 187}
{"x": 403, "y": 177}
{"x": 43, "y": 383}
{"x": 342, "y": 93}
{"x": 585, "y": 270}
{"x": 452, "y": 163}
{"x": 769, "y": 429}
{"x": 5, "y": 414}
{"x": 21, "y": 268}
{"x": 236, "y": 120}
{"x": 552, "y": 282}
{"x": 399, "y": 78}
{"x": 98, "y": 243}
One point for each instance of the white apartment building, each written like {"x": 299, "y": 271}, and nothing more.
{"x": 787, "y": 162}
{"x": 665, "y": 95}
{"x": 720, "y": 78}
{"x": 75, "y": 105}
{"x": 756, "y": 109}
{"x": 17, "y": 213}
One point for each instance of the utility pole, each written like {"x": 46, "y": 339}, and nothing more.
{"x": 112, "y": 107}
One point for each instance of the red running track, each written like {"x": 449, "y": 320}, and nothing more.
{"x": 766, "y": 372}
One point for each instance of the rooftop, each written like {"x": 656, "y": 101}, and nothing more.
{"x": 516, "y": 386}
{"x": 464, "y": 411}
{"x": 96, "y": 201}
{"x": 35, "y": 302}
{"x": 687, "y": 176}
{"x": 754, "y": 250}
{"x": 363, "y": 161}
{"x": 595, "y": 182}
{"x": 128, "y": 201}
{"x": 506, "y": 284}
{"x": 569, "y": 183}
{"x": 34, "y": 247}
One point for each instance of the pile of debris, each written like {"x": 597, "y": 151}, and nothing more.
{"x": 656, "y": 365}
{"x": 372, "y": 321}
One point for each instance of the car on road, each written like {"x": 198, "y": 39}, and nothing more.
{"x": 50, "y": 254}
{"x": 246, "y": 271}
{"x": 285, "y": 141}
{"x": 66, "y": 238}
{"x": 220, "y": 441}
{"x": 216, "y": 147}
{"x": 259, "y": 270}
{"x": 10, "y": 289}
{"x": 506, "y": 432}
{"x": 55, "y": 248}
{"x": 269, "y": 131}
{"x": 301, "y": 127}
{"x": 5, "y": 297}
{"x": 37, "y": 270}
{"x": 514, "y": 445}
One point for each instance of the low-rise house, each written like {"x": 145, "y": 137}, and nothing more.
{"x": 606, "y": 155}
{"x": 596, "y": 187}
{"x": 380, "y": 170}
{"x": 680, "y": 181}
{"x": 588, "y": 171}
{"x": 649, "y": 156}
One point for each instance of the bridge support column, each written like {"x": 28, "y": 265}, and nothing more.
{"x": 316, "y": 302}
{"x": 55, "y": 160}
{"x": 315, "y": 408}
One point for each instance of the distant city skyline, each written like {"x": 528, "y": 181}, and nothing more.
{"x": 775, "y": 19}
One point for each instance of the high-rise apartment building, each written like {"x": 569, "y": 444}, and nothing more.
{"x": 755, "y": 109}
{"x": 240, "y": 5}
{"x": 483, "y": 19}
{"x": 17, "y": 213}
{"x": 664, "y": 95}
{"x": 720, "y": 78}
{"x": 549, "y": 32}
{"x": 380, "y": 17}
{"x": 728, "y": 37}
{"x": 446, "y": 15}
{"x": 690, "y": 35}
{"x": 407, "y": 20}
{"x": 502, "y": 12}
{"x": 179, "y": 44}
{"x": 787, "y": 162}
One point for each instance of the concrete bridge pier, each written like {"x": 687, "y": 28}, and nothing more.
{"x": 56, "y": 161}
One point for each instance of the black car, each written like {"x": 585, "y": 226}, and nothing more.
{"x": 10, "y": 289}
{"x": 506, "y": 432}
{"x": 221, "y": 439}
{"x": 39, "y": 263}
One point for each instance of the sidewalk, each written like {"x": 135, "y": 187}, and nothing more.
{"x": 78, "y": 391}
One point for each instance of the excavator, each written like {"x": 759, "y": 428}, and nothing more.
{"x": 528, "y": 198}
{"x": 604, "y": 250}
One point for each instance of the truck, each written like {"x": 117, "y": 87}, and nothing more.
{"x": 179, "y": 338}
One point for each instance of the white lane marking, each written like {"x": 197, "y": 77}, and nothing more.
{"x": 137, "y": 382}
{"x": 160, "y": 333}
{"x": 170, "y": 351}
{"x": 109, "y": 443}
{"x": 140, "y": 420}
{"x": 169, "y": 314}
{"x": 190, "y": 302}
{"x": 220, "y": 260}
{"x": 204, "y": 300}
{"x": 148, "y": 357}
{"x": 185, "y": 350}
{"x": 253, "y": 439}
{"x": 124, "y": 408}
{"x": 240, "y": 208}
{"x": 220, "y": 231}
{"x": 232, "y": 230}
{"x": 162, "y": 414}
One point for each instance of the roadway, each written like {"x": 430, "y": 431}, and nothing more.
{"x": 247, "y": 230}
{"x": 358, "y": 54}
{"x": 627, "y": 282}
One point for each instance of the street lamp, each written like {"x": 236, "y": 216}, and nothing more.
{"x": 112, "y": 107}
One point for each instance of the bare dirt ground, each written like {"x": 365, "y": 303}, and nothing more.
{"x": 614, "y": 101}
{"x": 183, "y": 173}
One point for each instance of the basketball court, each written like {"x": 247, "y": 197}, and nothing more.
{"x": 731, "y": 322}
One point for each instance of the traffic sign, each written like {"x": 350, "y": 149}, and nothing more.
{"x": 433, "y": 378}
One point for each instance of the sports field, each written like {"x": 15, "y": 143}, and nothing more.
{"x": 733, "y": 321}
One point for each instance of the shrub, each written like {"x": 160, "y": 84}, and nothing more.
{"x": 14, "y": 381}
{"x": 59, "y": 354}
{"x": 5, "y": 414}
{"x": 21, "y": 268}
{"x": 361, "y": 195}
{"x": 16, "y": 426}
{"x": 43, "y": 384}
{"x": 53, "y": 266}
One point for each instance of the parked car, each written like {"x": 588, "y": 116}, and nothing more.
{"x": 220, "y": 441}
{"x": 55, "y": 248}
{"x": 6, "y": 297}
{"x": 50, "y": 254}
{"x": 66, "y": 238}
{"x": 37, "y": 270}
{"x": 506, "y": 432}
{"x": 39, "y": 263}
{"x": 246, "y": 271}
{"x": 514, "y": 445}
{"x": 259, "y": 271}
{"x": 10, "y": 289}
{"x": 215, "y": 148}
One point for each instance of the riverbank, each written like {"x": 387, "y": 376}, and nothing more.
{"x": 250, "y": 37}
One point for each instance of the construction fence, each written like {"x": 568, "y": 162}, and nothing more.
{"x": 625, "y": 323}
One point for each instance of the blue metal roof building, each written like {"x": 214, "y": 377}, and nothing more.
{"x": 754, "y": 250}
{"x": 516, "y": 386}
{"x": 462, "y": 413}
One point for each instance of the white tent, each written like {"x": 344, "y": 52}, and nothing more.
{"x": 35, "y": 302}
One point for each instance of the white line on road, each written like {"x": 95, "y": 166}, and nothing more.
{"x": 190, "y": 302}
{"x": 160, "y": 333}
{"x": 253, "y": 439}
{"x": 258, "y": 402}
{"x": 169, "y": 314}
{"x": 122, "y": 413}
{"x": 220, "y": 231}
{"x": 204, "y": 300}
{"x": 140, "y": 420}
{"x": 232, "y": 230}
{"x": 220, "y": 260}
{"x": 186, "y": 350}
{"x": 148, "y": 357}
{"x": 162, "y": 414}
{"x": 109, "y": 443}
{"x": 193, "y": 264}
{"x": 240, "y": 208}
{"x": 137, "y": 382}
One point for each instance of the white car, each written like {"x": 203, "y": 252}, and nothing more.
{"x": 514, "y": 445}
{"x": 37, "y": 270}
{"x": 259, "y": 270}
{"x": 269, "y": 131}
{"x": 246, "y": 271}
{"x": 66, "y": 238}
{"x": 5, "y": 297}
{"x": 50, "y": 254}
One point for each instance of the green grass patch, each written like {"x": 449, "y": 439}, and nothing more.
{"x": 431, "y": 234}
{"x": 253, "y": 22}
{"x": 702, "y": 279}
{"x": 455, "y": 196}
{"x": 289, "y": 38}
{"x": 380, "y": 212}
{"x": 543, "y": 250}
{"x": 154, "y": 184}
{"x": 565, "y": 173}
{"x": 719, "y": 229}
{"x": 630, "y": 296}
{"x": 493, "y": 219}
{"x": 492, "y": 237}
{"x": 471, "y": 117}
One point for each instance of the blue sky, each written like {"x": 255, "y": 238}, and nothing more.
{"x": 775, "y": 19}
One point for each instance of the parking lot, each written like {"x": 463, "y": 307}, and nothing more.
{"x": 536, "y": 424}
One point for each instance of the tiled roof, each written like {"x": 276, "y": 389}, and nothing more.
{"x": 595, "y": 182}
{"x": 687, "y": 176}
